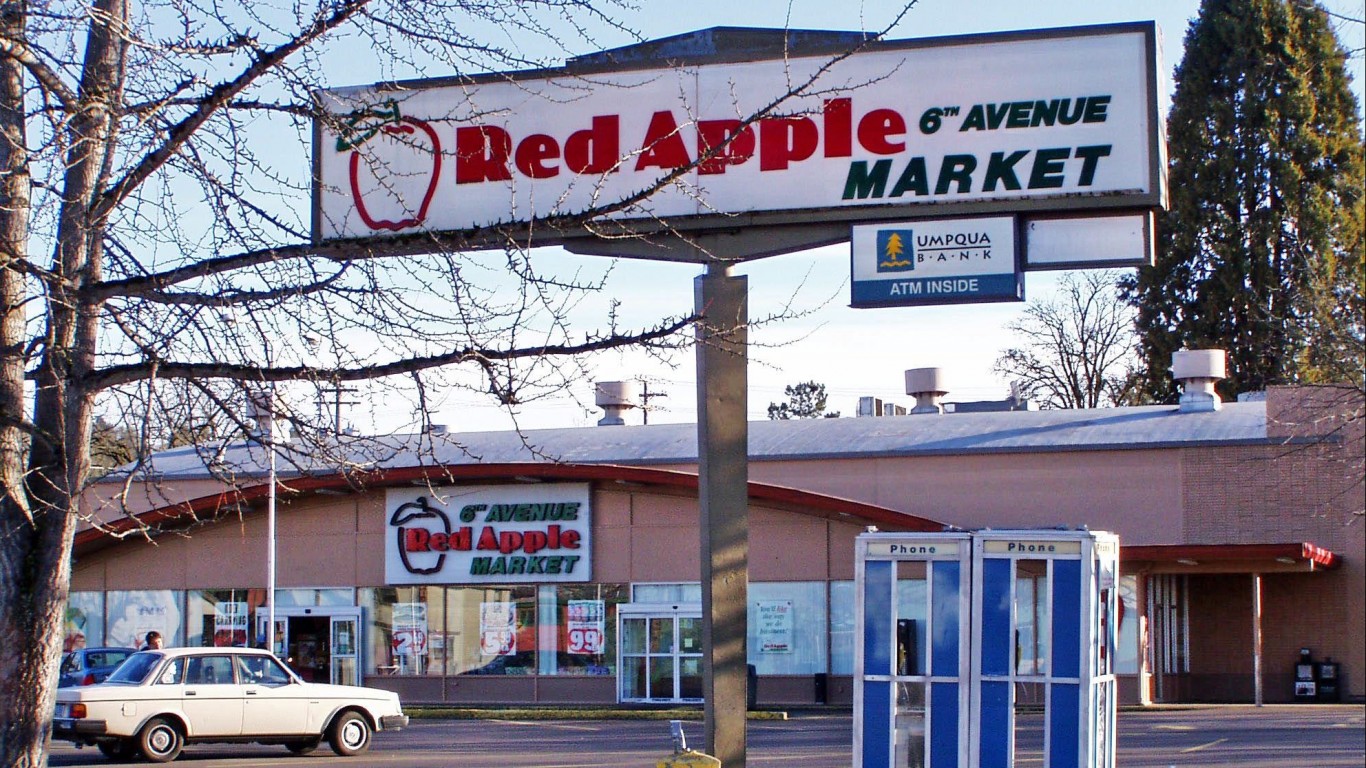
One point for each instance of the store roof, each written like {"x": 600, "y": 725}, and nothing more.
{"x": 1141, "y": 427}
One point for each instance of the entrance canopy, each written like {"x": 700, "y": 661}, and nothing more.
{"x": 1229, "y": 558}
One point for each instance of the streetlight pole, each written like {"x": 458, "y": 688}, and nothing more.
{"x": 269, "y": 441}
{"x": 265, "y": 428}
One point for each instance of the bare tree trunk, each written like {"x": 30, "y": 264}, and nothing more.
{"x": 41, "y": 510}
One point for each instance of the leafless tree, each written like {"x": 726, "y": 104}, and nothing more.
{"x": 1077, "y": 349}
{"x": 153, "y": 168}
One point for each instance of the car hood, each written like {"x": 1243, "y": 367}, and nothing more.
{"x": 349, "y": 692}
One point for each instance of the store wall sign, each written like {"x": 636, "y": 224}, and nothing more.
{"x": 923, "y": 262}
{"x": 998, "y": 120}
{"x": 488, "y": 534}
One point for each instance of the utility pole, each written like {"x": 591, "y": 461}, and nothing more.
{"x": 336, "y": 391}
{"x": 645, "y": 396}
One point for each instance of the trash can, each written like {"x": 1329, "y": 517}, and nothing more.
{"x": 1326, "y": 679}
{"x": 1306, "y": 688}
{"x": 751, "y": 686}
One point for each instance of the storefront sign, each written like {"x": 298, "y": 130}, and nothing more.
{"x": 936, "y": 262}
{"x": 489, "y": 535}
{"x": 585, "y": 623}
{"x": 774, "y": 621}
{"x": 1063, "y": 115}
{"x": 410, "y": 629}
{"x": 230, "y": 624}
{"x": 497, "y": 629}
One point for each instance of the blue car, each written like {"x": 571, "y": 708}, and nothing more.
{"x": 90, "y": 665}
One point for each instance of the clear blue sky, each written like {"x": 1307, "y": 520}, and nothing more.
{"x": 853, "y": 352}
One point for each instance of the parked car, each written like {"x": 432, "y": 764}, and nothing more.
{"x": 88, "y": 666}
{"x": 158, "y": 701}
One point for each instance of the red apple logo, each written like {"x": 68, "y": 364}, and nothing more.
{"x": 395, "y": 161}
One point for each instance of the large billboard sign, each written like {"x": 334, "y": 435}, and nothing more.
{"x": 1060, "y": 120}
{"x": 488, "y": 535}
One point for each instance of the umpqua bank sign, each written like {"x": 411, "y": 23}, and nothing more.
{"x": 1054, "y": 120}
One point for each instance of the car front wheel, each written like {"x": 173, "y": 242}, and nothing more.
{"x": 160, "y": 741}
{"x": 350, "y": 734}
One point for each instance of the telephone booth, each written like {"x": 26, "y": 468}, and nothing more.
{"x": 911, "y": 661}
{"x": 988, "y": 649}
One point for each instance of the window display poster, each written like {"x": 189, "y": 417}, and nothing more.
{"x": 585, "y": 623}
{"x": 84, "y": 623}
{"x": 132, "y": 614}
{"x": 230, "y": 624}
{"x": 774, "y": 622}
{"x": 497, "y": 629}
{"x": 410, "y": 629}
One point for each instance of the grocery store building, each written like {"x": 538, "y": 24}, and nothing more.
{"x": 562, "y": 566}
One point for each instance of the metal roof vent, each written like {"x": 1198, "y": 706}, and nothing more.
{"x": 1197, "y": 370}
{"x": 614, "y": 398}
{"x": 927, "y": 386}
{"x": 269, "y": 427}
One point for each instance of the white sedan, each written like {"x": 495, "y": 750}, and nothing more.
{"x": 158, "y": 701}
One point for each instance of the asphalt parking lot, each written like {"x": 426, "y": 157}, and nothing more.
{"x": 1317, "y": 736}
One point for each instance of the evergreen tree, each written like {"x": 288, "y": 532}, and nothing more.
{"x": 1260, "y": 252}
{"x": 805, "y": 400}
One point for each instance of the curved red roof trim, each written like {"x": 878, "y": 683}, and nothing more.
{"x": 209, "y": 508}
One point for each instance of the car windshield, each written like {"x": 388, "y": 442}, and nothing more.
{"x": 136, "y": 668}
{"x": 110, "y": 658}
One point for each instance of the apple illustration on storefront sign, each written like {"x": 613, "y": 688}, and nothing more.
{"x": 419, "y": 514}
{"x": 393, "y": 159}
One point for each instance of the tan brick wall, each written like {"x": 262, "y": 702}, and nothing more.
{"x": 1308, "y": 488}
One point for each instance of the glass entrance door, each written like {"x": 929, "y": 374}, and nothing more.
{"x": 660, "y": 655}
{"x": 321, "y": 644}
{"x": 345, "y": 630}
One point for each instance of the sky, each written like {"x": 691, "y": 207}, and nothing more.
{"x": 853, "y": 352}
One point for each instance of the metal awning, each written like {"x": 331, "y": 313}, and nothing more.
{"x": 1293, "y": 557}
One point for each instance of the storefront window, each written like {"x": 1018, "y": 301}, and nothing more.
{"x": 406, "y": 630}
{"x": 842, "y": 627}
{"x": 499, "y": 625}
{"x": 219, "y": 617}
{"x": 132, "y": 614}
{"x": 578, "y": 628}
{"x": 84, "y": 625}
{"x": 307, "y": 598}
{"x": 787, "y": 627}
{"x": 667, "y": 593}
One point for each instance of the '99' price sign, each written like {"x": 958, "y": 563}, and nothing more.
{"x": 585, "y": 622}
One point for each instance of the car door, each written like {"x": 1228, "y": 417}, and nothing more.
{"x": 273, "y": 702}
{"x": 212, "y": 698}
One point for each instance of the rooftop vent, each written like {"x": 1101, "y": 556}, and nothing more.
{"x": 614, "y": 398}
{"x": 269, "y": 428}
{"x": 1197, "y": 370}
{"x": 927, "y": 386}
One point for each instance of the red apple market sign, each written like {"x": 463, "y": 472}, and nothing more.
{"x": 488, "y": 535}
{"x": 1063, "y": 120}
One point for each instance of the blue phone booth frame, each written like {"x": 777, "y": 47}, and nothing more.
{"x": 962, "y": 636}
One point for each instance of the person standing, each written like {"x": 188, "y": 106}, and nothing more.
{"x": 151, "y": 642}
